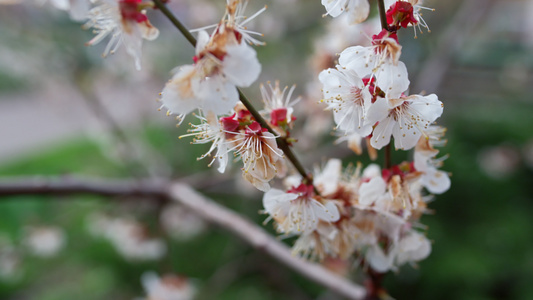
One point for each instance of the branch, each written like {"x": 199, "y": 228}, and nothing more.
{"x": 204, "y": 207}
{"x": 282, "y": 143}
{"x": 383, "y": 15}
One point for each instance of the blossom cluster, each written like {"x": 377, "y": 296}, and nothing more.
{"x": 371, "y": 214}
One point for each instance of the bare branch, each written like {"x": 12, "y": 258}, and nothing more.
{"x": 199, "y": 204}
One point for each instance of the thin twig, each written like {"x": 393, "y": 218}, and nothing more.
{"x": 383, "y": 15}
{"x": 282, "y": 143}
{"x": 198, "y": 204}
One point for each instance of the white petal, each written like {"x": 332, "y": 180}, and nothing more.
{"x": 429, "y": 107}
{"x": 378, "y": 260}
{"x": 148, "y": 31}
{"x": 371, "y": 191}
{"x": 178, "y": 95}
{"x": 371, "y": 171}
{"x": 382, "y": 133}
{"x": 359, "y": 59}
{"x": 405, "y": 137}
{"x": 79, "y": 10}
{"x": 222, "y": 158}
{"x": 274, "y": 197}
{"x": 436, "y": 182}
{"x": 133, "y": 42}
{"x": 334, "y": 7}
{"x": 240, "y": 65}
{"x": 328, "y": 179}
{"x": 201, "y": 41}
{"x": 328, "y": 212}
{"x": 216, "y": 94}
{"x": 358, "y": 11}
{"x": 411, "y": 248}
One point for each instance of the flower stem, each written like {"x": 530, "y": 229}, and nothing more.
{"x": 282, "y": 143}
{"x": 383, "y": 15}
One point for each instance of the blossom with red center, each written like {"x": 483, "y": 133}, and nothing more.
{"x": 222, "y": 62}
{"x": 347, "y": 96}
{"x": 299, "y": 209}
{"x": 401, "y": 14}
{"x": 379, "y": 61}
{"x": 279, "y": 106}
{"x": 127, "y": 24}
{"x": 130, "y": 10}
{"x": 405, "y": 118}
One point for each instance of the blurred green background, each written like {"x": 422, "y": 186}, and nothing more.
{"x": 66, "y": 111}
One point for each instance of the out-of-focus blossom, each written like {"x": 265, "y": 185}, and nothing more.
{"x": 126, "y": 22}
{"x": 78, "y": 9}
{"x": 44, "y": 241}
{"x": 128, "y": 237}
{"x": 180, "y": 223}
{"x": 499, "y": 162}
{"x": 168, "y": 287}
{"x": 9, "y": 260}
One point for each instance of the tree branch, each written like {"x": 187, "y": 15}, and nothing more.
{"x": 204, "y": 207}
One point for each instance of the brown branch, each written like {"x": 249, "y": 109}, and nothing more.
{"x": 204, "y": 207}
{"x": 383, "y": 15}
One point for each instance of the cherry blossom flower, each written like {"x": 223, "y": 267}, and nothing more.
{"x": 260, "y": 155}
{"x": 210, "y": 130}
{"x": 434, "y": 180}
{"x": 168, "y": 287}
{"x": 346, "y": 94}
{"x": 405, "y": 118}
{"x": 299, "y": 209}
{"x": 279, "y": 106}
{"x": 128, "y": 237}
{"x": 126, "y": 22}
{"x": 180, "y": 223}
{"x": 222, "y": 62}
{"x": 357, "y": 10}
{"x": 411, "y": 248}
{"x": 379, "y": 61}
{"x": 44, "y": 241}
{"x": 414, "y": 18}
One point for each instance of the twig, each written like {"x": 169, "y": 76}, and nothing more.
{"x": 282, "y": 143}
{"x": 382, "y": 15}
{"x": 204, "y": 207}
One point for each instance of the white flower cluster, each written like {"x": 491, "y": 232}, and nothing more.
{"x": 371, "y": 214}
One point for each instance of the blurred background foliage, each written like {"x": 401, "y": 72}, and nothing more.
{"x": 57, "y": 98}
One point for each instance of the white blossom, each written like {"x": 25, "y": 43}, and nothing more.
{"x": 126, "y": 25}
{"x": 404, "y": 118}
{"x": 348, "y": 98}
{"x": 357, "y": 10}
{"x": 168, "y": 287}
